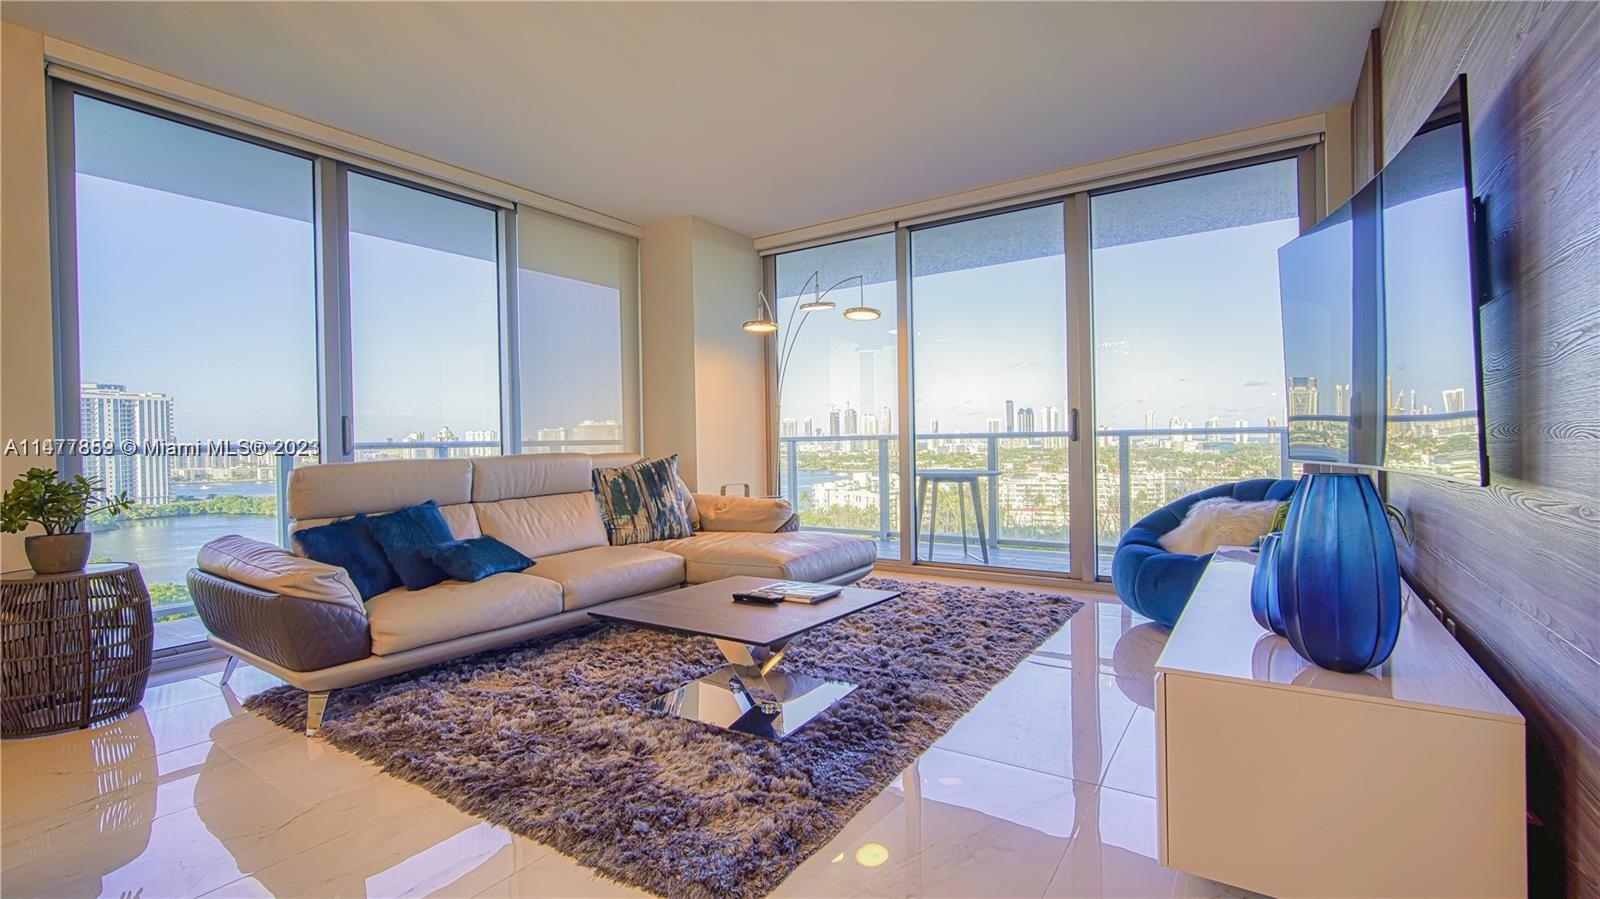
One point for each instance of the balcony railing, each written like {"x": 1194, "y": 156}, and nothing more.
{"x": 1137, "y": 470}
{"x": 182, "y": 629}
{"x": 452, "y": 449}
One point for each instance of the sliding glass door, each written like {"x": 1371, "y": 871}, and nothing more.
{"x": 1188, "y": 338}
{"x": 989, "y": 308}
{"x": 1163, "y": 330}
{"x": 197, "y": 326}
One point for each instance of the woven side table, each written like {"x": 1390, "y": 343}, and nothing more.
{"x": 74, "y": 648}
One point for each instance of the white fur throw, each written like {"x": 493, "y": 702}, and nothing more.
{"x": 1220, "y": 521}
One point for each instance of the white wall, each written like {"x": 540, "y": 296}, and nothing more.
{"x": 666, "y": 316}
{"x": 730, "y": 422}
{"x": 703, "y": 391}
{"x": 27, "y": 383}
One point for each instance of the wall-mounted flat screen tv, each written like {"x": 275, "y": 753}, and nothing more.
{"x": 1380, "y": 311}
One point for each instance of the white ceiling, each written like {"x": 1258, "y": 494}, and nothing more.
{"x": 758, "y": 116}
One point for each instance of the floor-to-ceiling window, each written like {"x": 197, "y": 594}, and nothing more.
{"x": 424, "y": 321}
{"x": 196, "y": 310}
{"x": 243, "y": 306}
{"x": 577, "y": 326}
{"x": 1188, "y": 351}
{"x": 1163, "y": 331}
{"x": 990, "y": 344}
{"x": 838, "y": 397}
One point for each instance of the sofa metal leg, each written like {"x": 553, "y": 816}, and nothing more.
{"x": 316, "y": 704}
{"x": 227, "y": 670}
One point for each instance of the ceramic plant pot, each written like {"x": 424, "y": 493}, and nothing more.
{"x": 57, "y": 553}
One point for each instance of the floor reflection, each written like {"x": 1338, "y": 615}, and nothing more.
{"x": 114, "y": 764}
{"x": 1045, "y": 788}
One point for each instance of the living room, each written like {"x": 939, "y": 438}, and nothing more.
{"x": 810, "y": 449}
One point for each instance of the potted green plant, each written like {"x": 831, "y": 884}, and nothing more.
{"x": 60, "y": 507}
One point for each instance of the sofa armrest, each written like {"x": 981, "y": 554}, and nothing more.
{"x": 749, "y": 514}
{"x": 298, "y": 633}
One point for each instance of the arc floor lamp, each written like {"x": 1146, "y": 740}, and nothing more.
{"x": 765, "y": 321}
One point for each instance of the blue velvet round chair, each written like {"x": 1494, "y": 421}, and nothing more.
{"x": 1156, "y": 583}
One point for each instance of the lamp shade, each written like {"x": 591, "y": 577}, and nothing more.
{"x": 760, "y": 326}
{"x": 862, "y": 313}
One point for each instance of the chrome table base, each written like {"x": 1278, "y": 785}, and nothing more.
{"x": 751, "y": 696}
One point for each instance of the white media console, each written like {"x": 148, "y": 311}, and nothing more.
{"x": 1288, "y": 779}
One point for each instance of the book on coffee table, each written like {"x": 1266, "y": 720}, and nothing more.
{"x": 800, "y": 591}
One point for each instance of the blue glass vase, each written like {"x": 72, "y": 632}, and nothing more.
{"x": 1264, "y": 585}
{"x": 1338, "y": 575}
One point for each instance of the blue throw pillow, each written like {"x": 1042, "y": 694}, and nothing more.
{"x": 476, "y": 559}
{"x": 350, "y": 545}
{"x": 404, "y": 535}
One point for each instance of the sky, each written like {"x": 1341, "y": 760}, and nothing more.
{"x": 215, "y": 305}
{"x": 208, "y": 294}
{"x": 1185, "y": 326}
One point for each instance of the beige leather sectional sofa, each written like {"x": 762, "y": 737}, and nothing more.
{"x": 305, "y": 622}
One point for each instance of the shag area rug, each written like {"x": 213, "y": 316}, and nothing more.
{"x": 551, "y": 740}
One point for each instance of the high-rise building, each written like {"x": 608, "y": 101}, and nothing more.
{"x": 833, "y": 422}
{"x": 852, "y": 424}
{"x": 111, "y": 414}
{"x": 488, "y": 436}
{"x": 1011, "y": 416}
{"x": 886, "y": 422}
{"x": 1455, "y": 400}
{"x": 869, "y": 380}
{"x": 1054, "y": 422}
{"x": 445, "y": 435}
{"x": 1241, "y": 437}
{"x": 1025, "y": 419}
{"x": 994, "y": 425}
{"x": 808, "y": 427}
{"x": 1341, "y": 399}
{"x": 788, "y": 428}
{"x": 608, "y": 431}
{"x": 1150, "y": 420}
{"x": 1303, "y": 395}
{"x": 1214, "y": 423}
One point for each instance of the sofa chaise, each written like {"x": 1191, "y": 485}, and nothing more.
{"x": 304, "y": 622}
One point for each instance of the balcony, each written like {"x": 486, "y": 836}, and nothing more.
{"x": 850, "y": 484}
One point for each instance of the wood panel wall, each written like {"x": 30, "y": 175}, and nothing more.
{"x": 1518, "y": 563}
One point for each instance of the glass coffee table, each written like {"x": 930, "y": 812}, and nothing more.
{"x": 750, "y": 694}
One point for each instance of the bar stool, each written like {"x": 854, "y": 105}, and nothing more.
{"x": 930, "y": 479}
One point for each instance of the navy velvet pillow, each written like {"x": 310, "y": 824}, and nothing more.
{"x": 350, "y": 545}
{"x": 476, "y": 559}
{"x": 404, "y": 535}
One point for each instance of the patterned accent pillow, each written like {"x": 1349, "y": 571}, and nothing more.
{"x": 640, "y": 502}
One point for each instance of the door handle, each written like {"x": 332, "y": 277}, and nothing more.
{"x": 1072, "y": 425}
{"x": 344, "y": 436}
